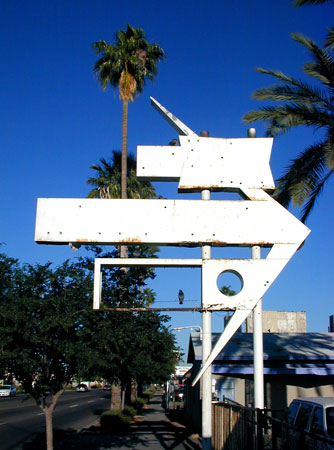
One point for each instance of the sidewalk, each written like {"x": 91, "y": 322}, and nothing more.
{"x": 153, "y": 429}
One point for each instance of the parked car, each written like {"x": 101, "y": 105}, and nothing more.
{"x": 179, "y": 395}
{"x": 7, "y": 390}
{"x": 107, "y": 387}
{"x": 314, "y": 415}
{"x": 82, "y": 388}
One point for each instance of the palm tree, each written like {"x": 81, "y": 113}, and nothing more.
{"x": 107, "y": 182}
{"x": 127, "y": 64}
{"x": 300, "y": 103}
{"x": 330, "y": 37}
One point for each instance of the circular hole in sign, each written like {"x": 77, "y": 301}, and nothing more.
{"x": 230, "y": 283}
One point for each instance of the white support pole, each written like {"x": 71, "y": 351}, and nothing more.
{"x": 258, "y": 346}
{"x": 258, "y": 358}
{"x": 206, "y": 350}
{"x": 257, "y": 337}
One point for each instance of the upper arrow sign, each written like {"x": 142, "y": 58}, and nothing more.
{"x": 207, "y": 163}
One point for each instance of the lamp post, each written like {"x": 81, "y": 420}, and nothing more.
{"x": 192, "y": 327}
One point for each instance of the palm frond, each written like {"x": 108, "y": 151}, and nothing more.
{"x": 314, "y": 195}
{"x": 329, "y": 42}
{"x": 302, "y": 176}
{"x": 322, "y": 65}
{"x": 280, "y": 119}
{"x": 130, "y": 55}
{"x": 302, "y": 104}
{"x": 107, "y": 181}
{"x": 300, "y": 93}
{"x": 311, "y": 2}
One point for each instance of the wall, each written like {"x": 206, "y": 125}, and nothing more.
{"x": 281, "y": 390}
{"x": 279, "y": 322}
{"x": 317, "y": 388}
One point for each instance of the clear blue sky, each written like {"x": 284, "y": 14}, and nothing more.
{"x": 56, "y": 121}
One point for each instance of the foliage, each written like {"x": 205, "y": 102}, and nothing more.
{"x": 126, "y": 65}
{"x": 114, "y": 421}
{"x": 129, "y": 411}
{"x": 140, "y": 402}
{"x": 107, "y": 182}
{"x": 302, "y": 104}
{"x": 42, "y": 312}
{"x": 40, "y": 315}
{"x": 49, "y": 333}
{"x": 226, "y": 290}
{"x": 128, "y": 62}
{"x": 139, "y": 347}
{"x": 310, "y": 2}
{"x": 148, "y": 395}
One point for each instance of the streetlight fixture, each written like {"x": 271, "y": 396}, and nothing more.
{"x": 192, "y": 327}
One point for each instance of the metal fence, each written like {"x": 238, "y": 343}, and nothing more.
{"x": 235, "y": 427}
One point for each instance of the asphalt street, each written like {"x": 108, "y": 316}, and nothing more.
{"x": 21, "y": 418}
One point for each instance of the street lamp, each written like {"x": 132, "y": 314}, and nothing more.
{"x": 192, "y": 327}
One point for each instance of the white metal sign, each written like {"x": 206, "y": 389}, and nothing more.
{"x": 198, "y": 163}
{"x": 207, "y": 163}
{"x": 167, "y": 222}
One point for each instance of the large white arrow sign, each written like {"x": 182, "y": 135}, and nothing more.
{"x": 198, "y": 163}
{"x": 167, "y": 222}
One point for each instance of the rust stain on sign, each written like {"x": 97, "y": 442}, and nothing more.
{"x": 129, "y": 240}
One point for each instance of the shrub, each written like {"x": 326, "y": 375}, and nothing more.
{"x": 114, "y": 421}
{"x": 140, "y": 402}
{"x": 149, "y": 394}
{"x": 129, "y": 411}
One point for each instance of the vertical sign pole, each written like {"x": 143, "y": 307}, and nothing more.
{"x": 258, "y": 353}
{"x": 206, "y": 350}
{"x": 257, "y": 337}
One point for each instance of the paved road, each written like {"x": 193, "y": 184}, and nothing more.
{"x": 21, "y": 418}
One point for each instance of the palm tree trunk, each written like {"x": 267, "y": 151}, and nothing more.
{"x": 124, "y": 149}
{"x": 124, "y": 249}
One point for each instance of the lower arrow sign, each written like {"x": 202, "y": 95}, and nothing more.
{"x": 166, "y": 222}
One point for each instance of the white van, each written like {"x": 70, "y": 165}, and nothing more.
{"x": 314, "y": 415}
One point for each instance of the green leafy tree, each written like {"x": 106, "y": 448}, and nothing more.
{"x": 154, "y": 359}
{"x": 226, "y": 290}
{"x": 140, "y": 348}
{"x": 41, "y": 315}
{"x": 136, "y": 346}
{"x": 126, "y": 65}
{"x": 49, "y": 333}
{"x": 302, "y": 104}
